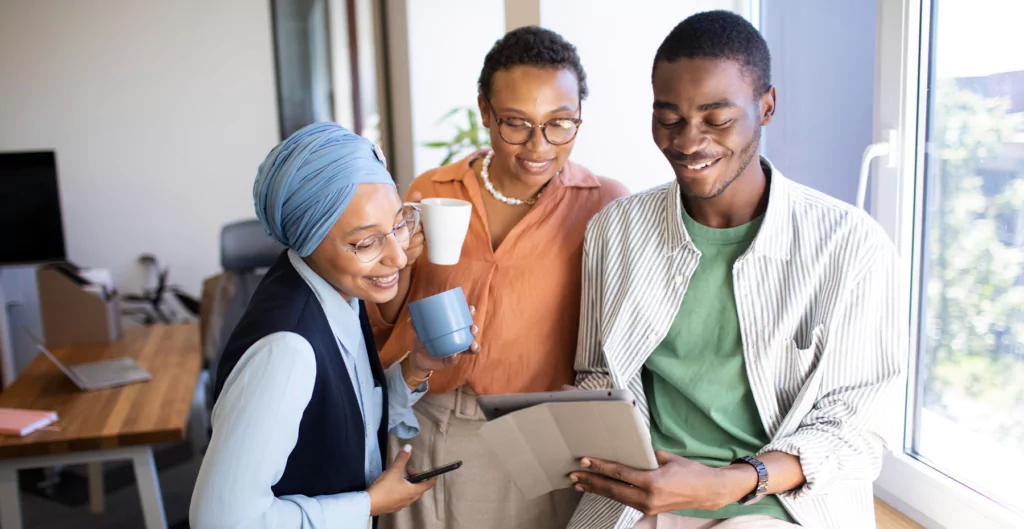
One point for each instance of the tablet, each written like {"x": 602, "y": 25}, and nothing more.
{"x": 494, "y": 406}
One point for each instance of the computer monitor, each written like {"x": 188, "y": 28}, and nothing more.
{"x": 31, "y": 229}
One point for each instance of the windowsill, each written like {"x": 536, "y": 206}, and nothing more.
{"x": 935, "y": 501}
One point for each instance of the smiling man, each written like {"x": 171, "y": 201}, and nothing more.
{"x": 753, "y": 318}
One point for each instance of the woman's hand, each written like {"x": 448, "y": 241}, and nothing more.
{"x": 418, "y": 365}
{"x": 391, "y": 492}
{"x": 417, "y": 244}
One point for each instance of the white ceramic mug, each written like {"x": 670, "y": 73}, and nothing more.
{"x": 445, "y": 224}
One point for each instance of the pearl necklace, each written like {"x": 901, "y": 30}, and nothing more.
{"x": 484, "y": 174}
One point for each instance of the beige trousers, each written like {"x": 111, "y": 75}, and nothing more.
{"x": 479, "y": 495}
{"x": 674, "y": 521}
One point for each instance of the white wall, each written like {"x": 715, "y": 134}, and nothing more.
{"x": 447, "y": 42}
{"x": 617, "y": 46}
{"x": 447, "y": 45}
{"x": 159, "y": 111}
{"x": 823, "y": 67}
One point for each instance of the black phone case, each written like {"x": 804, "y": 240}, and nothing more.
{"x": 423, "y": 476}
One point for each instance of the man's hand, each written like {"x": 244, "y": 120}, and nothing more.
{"x": 678, "y": 483}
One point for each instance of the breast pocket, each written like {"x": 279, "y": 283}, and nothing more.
{"x": 795, "y": 364}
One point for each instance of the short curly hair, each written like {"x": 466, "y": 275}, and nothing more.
{"x": 531, "y": 46}
{"x": 719, "y": 35}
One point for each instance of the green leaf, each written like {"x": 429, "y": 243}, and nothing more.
{"x": 474, "y": 125}
{"x": 462, "y": 136}
{"x": 449, "y": 114}
{"x": 470, "y": 136}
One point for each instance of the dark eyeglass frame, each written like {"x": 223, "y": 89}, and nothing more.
{"x": 379, "y": 240}
{"x": 543, "y": 127}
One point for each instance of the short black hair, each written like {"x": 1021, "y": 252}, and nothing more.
{"x": 531, "y": 46}
{"x": 720, "y": 35}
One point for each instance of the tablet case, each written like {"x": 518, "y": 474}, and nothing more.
{"x": 539, "y": 446}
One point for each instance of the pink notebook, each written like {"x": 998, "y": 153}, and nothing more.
{"x": 23, "y": 422}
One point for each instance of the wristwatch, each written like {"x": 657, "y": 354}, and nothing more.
{"x": 762, "y": 480}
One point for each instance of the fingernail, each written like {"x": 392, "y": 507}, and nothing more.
{"x": 585, "y": 463}
{"x": 573, "y": 478}
{"x": 476, "y": 329}
{"x": 407, "y": 449}
{"x": 579, "y": 488}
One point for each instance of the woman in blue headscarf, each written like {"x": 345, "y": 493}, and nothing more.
{"x": 303, "y": 407}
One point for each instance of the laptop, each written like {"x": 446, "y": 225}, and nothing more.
{"x": 104, "y": 374}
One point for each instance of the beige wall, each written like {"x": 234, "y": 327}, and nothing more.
{"x": 159, "y": 111}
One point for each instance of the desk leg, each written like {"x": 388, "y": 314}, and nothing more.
{"x": 10, "y": 502}
{"x": 149, "y": 488}
{"x": 96, "y": 493}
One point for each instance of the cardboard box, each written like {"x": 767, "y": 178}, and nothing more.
{"x": 72, "y": 311}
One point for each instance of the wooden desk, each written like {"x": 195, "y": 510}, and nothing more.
{"x": 110, "y": 424}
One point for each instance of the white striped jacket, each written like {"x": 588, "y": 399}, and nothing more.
{"x": 816, "y": 294}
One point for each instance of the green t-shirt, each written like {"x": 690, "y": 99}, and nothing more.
{"x": 696, "y": 380}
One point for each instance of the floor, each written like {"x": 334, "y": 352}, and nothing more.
{"x": 887, "y": 517}
{"x": 64, "y": 503}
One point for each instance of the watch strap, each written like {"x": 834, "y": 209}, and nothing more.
{"x": 762, "y": 480}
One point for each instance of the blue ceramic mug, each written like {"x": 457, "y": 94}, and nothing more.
{"x": 443, "y": 323}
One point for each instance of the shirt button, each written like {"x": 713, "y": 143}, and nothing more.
{"x": 652, "y": 338}
{"x": 679, "y": 280}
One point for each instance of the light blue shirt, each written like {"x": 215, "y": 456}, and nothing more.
{"x": 256, "y": 425}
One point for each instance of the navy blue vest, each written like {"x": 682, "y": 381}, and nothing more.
{"x": 329, "y": 456}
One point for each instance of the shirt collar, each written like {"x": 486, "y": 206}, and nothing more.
{"x": 572, "y": 175}
{"x": 342, "y": 315}
{"x": 772, "y": 240}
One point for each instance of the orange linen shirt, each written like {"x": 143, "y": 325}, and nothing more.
{"x": 526, "y": 293}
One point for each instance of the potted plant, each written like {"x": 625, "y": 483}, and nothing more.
{"x": 468, "y": 137}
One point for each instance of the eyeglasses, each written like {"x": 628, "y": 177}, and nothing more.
{"x": 517, "y": 131}
{"x": 370, "y": 248}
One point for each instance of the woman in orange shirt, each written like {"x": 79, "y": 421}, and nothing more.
{"x": 520, "y": 268}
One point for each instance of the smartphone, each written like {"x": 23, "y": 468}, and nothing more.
{"x": 423, "y": 476}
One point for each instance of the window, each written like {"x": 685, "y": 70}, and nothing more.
{"x": 969, "y": 421}
{"x": 957, "y": 218}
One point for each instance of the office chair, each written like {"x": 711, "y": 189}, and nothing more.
{"x": 246, "y": 252}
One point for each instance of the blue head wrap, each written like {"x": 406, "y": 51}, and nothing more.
{"x": 307, "y": 181}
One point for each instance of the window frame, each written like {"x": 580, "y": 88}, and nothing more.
{"x": 924, "y": 494}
